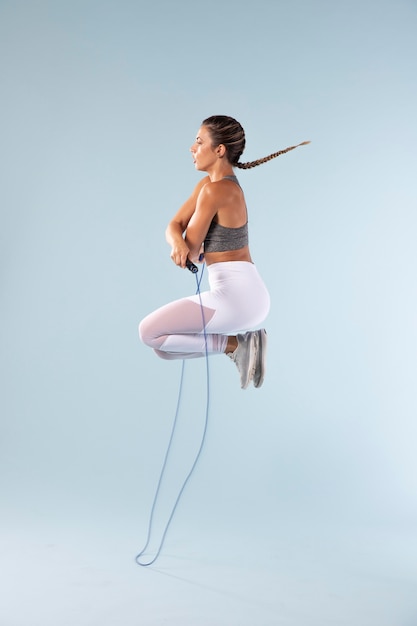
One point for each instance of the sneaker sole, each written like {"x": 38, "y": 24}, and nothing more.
{"x": 244, "y": 383}
{"x": 259, "y": 375}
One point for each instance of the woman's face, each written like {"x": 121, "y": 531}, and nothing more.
{"x": 204, "y": 155}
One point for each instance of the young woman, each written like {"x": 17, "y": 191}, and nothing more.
{"x": 214, "y": 222}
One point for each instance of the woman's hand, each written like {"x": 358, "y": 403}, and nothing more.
{"x": 179, "y": 253}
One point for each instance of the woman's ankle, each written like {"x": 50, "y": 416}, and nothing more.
{"x": 231, "y": 344}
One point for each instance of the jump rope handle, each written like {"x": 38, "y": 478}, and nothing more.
{"x": 190, "y": 265}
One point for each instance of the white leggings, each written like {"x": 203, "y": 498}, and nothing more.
{"x": 237, "y": 301}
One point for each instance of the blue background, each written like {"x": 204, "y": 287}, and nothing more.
{"x": 303, "y": 508}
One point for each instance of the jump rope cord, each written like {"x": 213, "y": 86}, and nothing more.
{"x": 174, "y": 425}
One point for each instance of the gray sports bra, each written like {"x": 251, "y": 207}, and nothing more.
{"x": 221, "y": 238}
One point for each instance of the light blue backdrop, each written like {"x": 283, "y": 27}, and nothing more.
{"x": 303, "y": 508}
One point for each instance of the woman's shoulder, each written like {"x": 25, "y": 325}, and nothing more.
{"x": 222, "y": 186}
{"x": 217, "y": 194}
{"x": 202, "y": 183}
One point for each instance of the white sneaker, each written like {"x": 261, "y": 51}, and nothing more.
{"x": 261, "y": 343}
{"x": 245, "y": 356}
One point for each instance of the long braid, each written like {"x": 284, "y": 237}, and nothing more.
{"x": 227, "y": 131}
{"x": 247, "y": 166}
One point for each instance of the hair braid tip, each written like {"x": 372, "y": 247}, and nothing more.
{"x": 250, "y": 164}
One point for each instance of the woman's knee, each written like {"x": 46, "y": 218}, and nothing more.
{"x": 142, "y": 331}
{"x": 145, "y": 332}
{"x": 148, "y": 334}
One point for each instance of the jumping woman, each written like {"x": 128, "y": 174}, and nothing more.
{"x": 213, "y": 224}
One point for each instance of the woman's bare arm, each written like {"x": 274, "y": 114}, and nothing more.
{"x": 208, "y": 202}
{"x": 179, "y": 223}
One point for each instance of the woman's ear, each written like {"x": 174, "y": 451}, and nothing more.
{"x": 221, "y": 150}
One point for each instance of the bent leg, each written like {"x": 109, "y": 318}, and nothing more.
{"x": 176, "y": 331}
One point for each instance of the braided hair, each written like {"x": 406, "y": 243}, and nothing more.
{"x": 227, "y": 131}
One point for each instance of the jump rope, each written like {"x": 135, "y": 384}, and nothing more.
{"x": 139, "y": 560}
